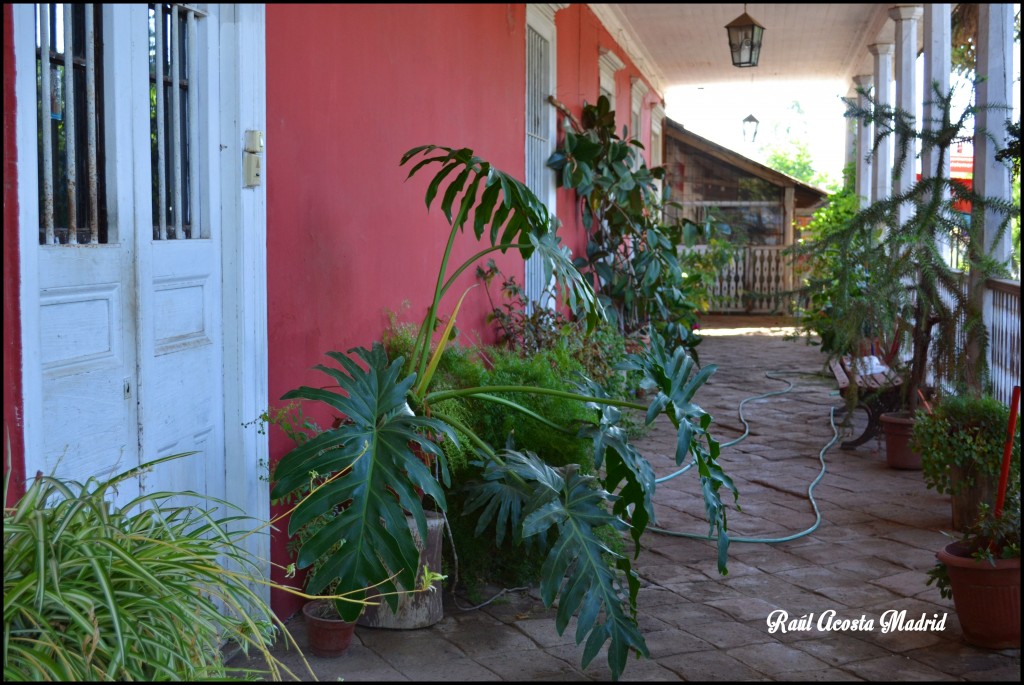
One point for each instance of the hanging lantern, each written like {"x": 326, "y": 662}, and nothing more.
{"x": 750, "y": 125}
{"x": 745, "y": 37}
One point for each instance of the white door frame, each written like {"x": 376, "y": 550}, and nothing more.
{"x": 243, "y": 218}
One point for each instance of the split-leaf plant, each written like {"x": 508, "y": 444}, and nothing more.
{"x": 389, "y": 408}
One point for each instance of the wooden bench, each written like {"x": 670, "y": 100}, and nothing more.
{"x": 877, "y": 393}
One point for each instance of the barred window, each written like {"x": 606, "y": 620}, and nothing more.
{"x": 174, "y": 125}
{"x": 69, "y": 109}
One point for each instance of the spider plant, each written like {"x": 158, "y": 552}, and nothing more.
{"x": 390, "y": 412}
{"x": 147, "y": 591}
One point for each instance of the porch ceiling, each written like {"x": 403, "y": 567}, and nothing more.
{"x": 682, "y": 44}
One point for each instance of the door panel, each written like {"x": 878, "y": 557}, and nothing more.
{"x": 130, "y": 355}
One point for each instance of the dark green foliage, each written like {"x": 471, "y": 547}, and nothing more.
{"x": 989, "y": 538}
{"x": 968, "y": 432}
{"x": 891, "y": 267}
{"x": 832, "y": 292}
{"x": 546, "y": 369}
{"x": 370, "y": 473}
{"x": 632, "y": 257}
{"x": 361, "y": 474}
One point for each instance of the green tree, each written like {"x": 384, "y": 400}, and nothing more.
{"x": 792, "y": 157}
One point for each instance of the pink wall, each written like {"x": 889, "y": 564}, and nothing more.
{"x": 13, "y": 424}
{"x": 350, "y": 88}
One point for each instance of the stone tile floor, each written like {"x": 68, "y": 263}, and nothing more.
{"x": 867, "y": 554}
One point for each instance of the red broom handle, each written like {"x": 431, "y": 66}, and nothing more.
{"x": 1007, "y": 449}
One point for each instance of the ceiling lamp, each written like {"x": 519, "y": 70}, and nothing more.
{"x": 745, "y": 36}
{"x": 750, "y": 125}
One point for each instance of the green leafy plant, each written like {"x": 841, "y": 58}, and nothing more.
{"x": 632, "y": 256}
{"x": 991, "y": 537}
{"x": 899, "y": 259}
{"x": 829, "y": 293}
{"x": 966, "y": 432}
{"x": 149, "y": 590}
{"x": 390, "y": 404}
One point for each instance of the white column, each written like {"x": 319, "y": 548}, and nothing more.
{"x": 937, "y": 67}
{"x": 904, "y": 167}
{"x": 993, "y": 96}
{"x": 864, "y": 162}
{"x": 881, "y": 168}
{"x": 994, "y": 68}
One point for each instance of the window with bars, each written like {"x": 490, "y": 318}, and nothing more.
{"x": 69, "y": 110}
{"x": 538, "y": 143}
{"x": 174, "y": 121}
{"x": 72, "y": 138}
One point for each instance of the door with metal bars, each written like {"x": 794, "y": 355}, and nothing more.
{"x": 127, "y": 300}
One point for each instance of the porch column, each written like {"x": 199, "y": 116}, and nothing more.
{"x": 863, "y": 141}
{"x": 994, "y": 98}
{"x": 903, "y": 173}
{"x": 788, "y": 217}
{"x": 993, "y": 95}
{"x": 937, "y": 67}
{"x": 881, "y": 180}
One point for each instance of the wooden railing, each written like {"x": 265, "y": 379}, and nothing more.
{"x": 752, "y": 281}
{"x": 1002, "y": 317}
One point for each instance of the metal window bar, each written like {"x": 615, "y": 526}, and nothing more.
{"x": 69, "y": 122}
{"x": 193, "y": 127}
{"x": 158, "y": 81}
{"x": 44, "y": 123}
{"x": 90, "y": 104}
{"x": 176, "y": 123}
{"x": 69, "y": 108}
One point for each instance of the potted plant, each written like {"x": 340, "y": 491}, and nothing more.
{"x": 98, "y": 589}
{"x": 893, "y": 251}
{"x": 390, "y": 404}
{"x": 961, "y": 443}
{"x": 981, "y": 572}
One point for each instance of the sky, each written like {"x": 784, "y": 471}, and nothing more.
{"x": 716, "y": 112}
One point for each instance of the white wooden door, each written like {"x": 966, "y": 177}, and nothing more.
{"x": 129, "y": 365}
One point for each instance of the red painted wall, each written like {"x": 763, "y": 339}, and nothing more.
{"x": 350, "y": 88}
{"x": 13, "y": 423}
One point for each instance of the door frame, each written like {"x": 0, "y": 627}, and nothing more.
{"x": 243, "y": 218}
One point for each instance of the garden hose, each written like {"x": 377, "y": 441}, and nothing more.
{"x": 746, "y": 431}
{"x": 730, "y": 443}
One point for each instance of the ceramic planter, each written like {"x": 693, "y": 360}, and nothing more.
{"x": 417, "y": 609}
{"x": 986, "y": 597}
{"x": 329, "y": 636}
{"x": 898, "y": 428}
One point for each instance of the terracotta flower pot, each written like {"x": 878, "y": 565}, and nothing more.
{"x": 986, "y": 597}
{"x": 329, "y": 636}
{"x": 898, "y": 428}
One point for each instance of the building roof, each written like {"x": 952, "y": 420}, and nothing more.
{"x": 805, "y": 195}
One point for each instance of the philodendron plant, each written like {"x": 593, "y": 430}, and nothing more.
{"x": 390, "y": 413}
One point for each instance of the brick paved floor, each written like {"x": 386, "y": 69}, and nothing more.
{"x": 878, "y": 532}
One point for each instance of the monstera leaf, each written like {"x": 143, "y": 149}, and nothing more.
{"x": 672, "y": 373}
{"x": 375, "y": 473}
{"x": 590, "y": 580}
